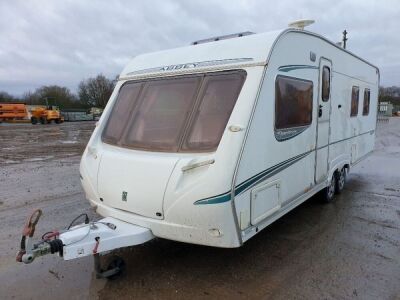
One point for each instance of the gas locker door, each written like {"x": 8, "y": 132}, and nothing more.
{"x": 323, "y": 120}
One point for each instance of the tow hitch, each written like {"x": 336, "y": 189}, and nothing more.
{"x": 89, "y": 238}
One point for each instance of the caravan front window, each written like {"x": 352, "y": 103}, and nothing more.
{"x": 218, "y": 99}
{"x": 116, "y": 124}
{"x": 158, "y": 120}
{"x": 183, "y": 113}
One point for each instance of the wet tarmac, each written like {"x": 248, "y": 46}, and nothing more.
{"x": 349, "y": 249}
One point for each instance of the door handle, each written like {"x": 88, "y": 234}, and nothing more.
{"x": 320, "y": 111}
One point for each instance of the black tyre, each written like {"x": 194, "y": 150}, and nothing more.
{"x": 328, "y": 193}
{"x": 34, "y": 120}
{"x": 43, "y": 120}
{"x": 116, "y": 263}
{"x": 58, "y": 121}
{"x": 340, "y": 180}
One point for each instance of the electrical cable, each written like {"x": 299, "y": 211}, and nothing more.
{"x": 109, "y": 225}
{"x": 81, "y": 215}
{"x": 46, "y": 237}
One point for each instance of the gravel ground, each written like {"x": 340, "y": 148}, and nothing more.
{"x": 344, "y": 250}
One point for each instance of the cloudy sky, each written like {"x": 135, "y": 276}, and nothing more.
{"x": 63, "y": 42}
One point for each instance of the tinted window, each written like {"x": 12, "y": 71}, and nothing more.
{"x": 367, "y": 95}
{"x": 326, "y": 83}
{"x": 293, "y": 102}
{"x": 119, "y": 117}
{"x": 184, "y": 113}
{"x": 217, "y": 101}
{"x": 355, "y": 92}
{"x": 159, "y": 118}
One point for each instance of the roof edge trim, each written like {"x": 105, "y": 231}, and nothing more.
{"x": 289, "y": 30}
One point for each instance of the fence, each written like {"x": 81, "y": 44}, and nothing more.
{"x": 382, "y": 117}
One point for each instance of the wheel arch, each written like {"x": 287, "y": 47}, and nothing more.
{"x": 337, "y": 164}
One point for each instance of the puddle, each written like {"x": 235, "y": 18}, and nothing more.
{"x": 38, "y": 158}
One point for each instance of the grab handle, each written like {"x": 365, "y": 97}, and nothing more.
{"x": 197, "y": 165}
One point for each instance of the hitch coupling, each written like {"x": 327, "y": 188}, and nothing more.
{"x": 30, "y": 250}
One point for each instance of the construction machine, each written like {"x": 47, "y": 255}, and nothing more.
{"x": 46, "y": 114}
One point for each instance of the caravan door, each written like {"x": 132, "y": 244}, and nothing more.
{"x": 323, "y": 123}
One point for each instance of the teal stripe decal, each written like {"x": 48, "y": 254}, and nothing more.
{"x": 289, "y": 68}
{"x": 249, "y": 183}
{"x": 215, "y": 200}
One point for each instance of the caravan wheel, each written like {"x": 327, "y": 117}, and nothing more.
{"x": 328, "y": 193}
{"x": 340, "y": 180}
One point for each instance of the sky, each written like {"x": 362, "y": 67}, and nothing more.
{"x": 62, "y": 42}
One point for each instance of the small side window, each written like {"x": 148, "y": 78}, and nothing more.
{"x": 293, "y": 102}
{"x": 326, "y": 83}
{"x": 355, "y": 93}
{"x": 367, "y": 95}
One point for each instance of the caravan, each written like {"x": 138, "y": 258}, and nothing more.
{"x": 210, "y": 143}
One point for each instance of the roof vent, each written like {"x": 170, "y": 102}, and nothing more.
{"x": 223, "y": 37}
{"x": 300, "y": 24}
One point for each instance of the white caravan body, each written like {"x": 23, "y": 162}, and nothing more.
{"x": 289, "y": 120}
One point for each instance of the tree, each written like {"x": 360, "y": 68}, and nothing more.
{"x": 95, "y": 91}
{"x": 6, "y": 97}
{"x": 54, "y": 95}
{"x": 390, "y": 94}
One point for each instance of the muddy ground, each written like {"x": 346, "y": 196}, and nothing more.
{"x": 344, "y": 250}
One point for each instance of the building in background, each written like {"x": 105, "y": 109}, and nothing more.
{"x": 81, "y": 114}
{"x": 385, "y": 108}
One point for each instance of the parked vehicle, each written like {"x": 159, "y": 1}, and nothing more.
{"x": 46, "y": 115}
{"x": 209, "y": 144}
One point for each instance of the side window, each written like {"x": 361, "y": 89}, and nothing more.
{"x": 367, "y": 95}
{"x": 293, "y": 102}
{"x": 355, "y": 93}
{"x": 326, "y": 83}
